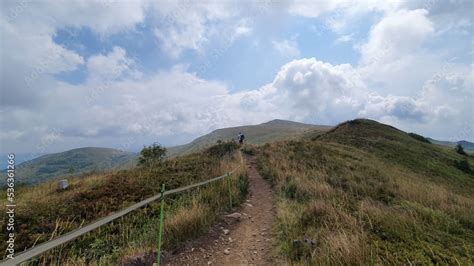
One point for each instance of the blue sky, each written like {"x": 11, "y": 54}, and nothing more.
{"x": 124, "y": 74}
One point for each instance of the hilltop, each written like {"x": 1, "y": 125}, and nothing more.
{"x": 73, "y": 162}
{"x": 271, "y": 131}
{"x": 368, "y": 193}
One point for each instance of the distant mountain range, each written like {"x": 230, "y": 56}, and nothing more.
{"x": 72, "y": 162}
{"x": 468, "y": 146}
{"x": 82, "y": 160}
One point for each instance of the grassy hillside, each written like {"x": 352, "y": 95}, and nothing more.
{"x": 367, "y": 193}
{"x": 274, "y": 130}
{"x": 73, "y": 162}
{"x": 42, "y": 212}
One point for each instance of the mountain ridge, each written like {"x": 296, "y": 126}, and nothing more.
{"x": 262, "y": 133}
{"x": 72, "y": 162}
{"x": 103, "y": 159}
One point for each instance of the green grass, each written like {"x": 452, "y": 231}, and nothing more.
{"x": 43, "y": 213}
{"x": 367, "y": 193}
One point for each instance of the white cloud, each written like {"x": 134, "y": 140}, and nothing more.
{"x": 308, "y": 8}
{"x": 344, "y": 38}
{"x": 287, "y": 48}
{"x": 340, "y": 15}
{"x": 398, "y": 33}
{"x": 242, "y": 28}
{"x": 188, "y": 25}
{"x": 174, "y": 103}
{"x": 314, "y": 91}
{"x": 104, "y": 17}
{"x": 111, "y": 66}
{"x": 391, "y": 107}
{"x": 29, "y": 55}
{"x": 313, "y": 8}
{"x": 395, "y": 47}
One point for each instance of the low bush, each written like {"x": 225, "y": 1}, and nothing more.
{"x": 222, "y": 149}
{"x": 151, "y": 155}
{"x": 463, "y": 165}
{"x": 459, "y": 149}
{"x": 249, "y": 150}
{"x": 419, "y": 137}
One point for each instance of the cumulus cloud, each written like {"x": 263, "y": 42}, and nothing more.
{"x": 311, "y": 90}
{"x": 318, "y": 91}
{"x": 394, "y": 58}
{"x": 398, "y": 33}
{"x": 29, "y": 55}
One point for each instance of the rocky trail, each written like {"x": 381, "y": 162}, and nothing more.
{"x": 243, "y": 237}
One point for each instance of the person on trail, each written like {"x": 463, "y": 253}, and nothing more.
{"x": 241, "y": 138}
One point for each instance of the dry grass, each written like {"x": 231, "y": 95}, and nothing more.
{"x": 360, "y": 206}
{"x": 43, "y": 213}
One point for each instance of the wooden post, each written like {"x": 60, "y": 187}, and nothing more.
{"x": 162, "y": 213}
{"x": 229, "y": 182}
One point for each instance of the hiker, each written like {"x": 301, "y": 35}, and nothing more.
{"x": 241, "y": 138}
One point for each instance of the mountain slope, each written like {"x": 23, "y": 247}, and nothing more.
{"x": 368, "y": 193}
{"x": 254, "y": 134}
{"x": 398, "y": 147}
{"x": 72, "y": 162}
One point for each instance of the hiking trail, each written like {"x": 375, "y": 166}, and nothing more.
{"x": 243, "y": 237}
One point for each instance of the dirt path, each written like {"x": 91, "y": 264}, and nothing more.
{"x": 242, "y": 241}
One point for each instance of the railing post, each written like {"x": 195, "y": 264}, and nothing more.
{"x": 160, "y": 236}
{"x": 229, "y": 182}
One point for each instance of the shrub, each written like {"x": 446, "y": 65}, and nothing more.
{"x": 249, "y": 150}
{"x": 463, "y": 165}
{"x": 419, "y": 137}
{"x": 459, "y": 149}
{"x": 223, "y": 148}
{"x": 151, "y": 155}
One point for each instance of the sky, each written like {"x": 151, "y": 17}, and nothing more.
{"x": 123, "y": 74}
